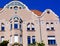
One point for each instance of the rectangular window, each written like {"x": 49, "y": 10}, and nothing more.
{"x": 51, "y": 40}
{"x": 20, "y": 39}
{"x": 52, "y": 28}
{"x": 10, "y": 26}
{"x": 2, "y": 28}
{"x": 16, "y": 38}
{"x": 20, "y": 27}
{"x": 29, "y": 39}
{"x": 10, "y": 38}
{"x": 15, "y": 26}
{"x": 2, "y": 38}
{"x": 33, "y": 39}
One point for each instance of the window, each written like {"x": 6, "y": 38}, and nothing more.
{"x": 16, "y": 38}
{"x": 10, "y": 26}
{"x": 10, "y": 7}
{"x": 2, "y": 38}
{"x": 29, "y": 39}
{"x": 20, "y": 27}
{"x": 16, "y": 18}
{"x": 33, "y": 28}
{"x": 15, "y": 26}
{"x": 19, "y": 7}
{"x": 15, "y": 7}
{"x": 48, "y": 12}
{"x": 33, "y": 39}
{"x": 52, "y": 26}
{"x": 20, "y": 39}
{"x": 28, "y": 26}
{"x": 48, "y": 27}
{"x": 51, "y": 40}
{"x": 51, "y": 22}
{"x": 2, "y": 27}
{"x": 47, "y": 22}
{"x": 10, "y": 38}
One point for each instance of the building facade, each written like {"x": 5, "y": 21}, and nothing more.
{"x": 21, "y": 25}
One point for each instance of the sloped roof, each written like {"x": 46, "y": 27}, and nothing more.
{"x": 37, "y": 12}
{"x": 0, "y": 9}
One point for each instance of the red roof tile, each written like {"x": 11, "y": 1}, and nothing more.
{"x": 37, "y": 12}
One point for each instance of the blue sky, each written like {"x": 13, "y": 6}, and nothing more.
{"x": 38, "y": 4}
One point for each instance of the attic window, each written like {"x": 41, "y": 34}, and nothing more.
{"x": 10, "y": 7}
{"x": 19, "y": 7}
{"x": 48, "y": 12}
{"x": 15, "y": 7}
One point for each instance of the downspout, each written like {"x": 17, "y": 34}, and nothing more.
{"x": 40, "y": 29}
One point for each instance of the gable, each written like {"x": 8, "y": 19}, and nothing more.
{"x": 48, "y": 14}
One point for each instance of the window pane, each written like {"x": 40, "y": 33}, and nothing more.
{"x": 28, "y": 28}
{"x": 48, "y": 29}
{"x": 33, "y": 28}
{"x": 20, "y": 39}
{"x": 11, "y": 39}
{"x": 51, "y": 42}
{"x": 2, "y": 38}
{"x": 33, "y": 39}
{"x": 29, "y": 39}
{"x": 11, "y": 26}
{"x": 15, "y": 38}
{"x": 52, "y": 28}
{"x": 2, "y": 28}
{"x": 15, "y": 26}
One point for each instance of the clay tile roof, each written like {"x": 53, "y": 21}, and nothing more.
{"x": 0, "y": 9}
{"x": 37, "y": 12}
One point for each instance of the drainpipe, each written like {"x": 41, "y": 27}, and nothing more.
{"x": 40, "y": 29}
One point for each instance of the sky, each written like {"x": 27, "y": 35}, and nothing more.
{"x": 40, "y": 5}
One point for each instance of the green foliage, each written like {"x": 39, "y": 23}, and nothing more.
{"x": 41, "y": 44}
{"x": 16, "y": 44}
{"x": 37, "y": 44}
{"x": 4, "y": 43}
{"x": 32, "y": 44}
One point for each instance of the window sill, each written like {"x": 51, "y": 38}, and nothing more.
{"x": 31, "y": 30}
{"x": 50, "y": 30}
{"x": 53, "y": 45}
{"x": 2, "y": 31}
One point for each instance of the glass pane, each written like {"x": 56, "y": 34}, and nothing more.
{"x": 2, "y": 28}
{"x": 15, "y": 26}
{"x": 29, "y": 40}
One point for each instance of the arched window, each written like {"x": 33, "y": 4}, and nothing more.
{"x": 47, "y": 28}
{"x": 16, "y": 22}
{"x": 2, "y": 27}
{"x": 33, "y": 28}
{"x": 28, "y": 26}
{"x": 15, "y": 7}
{"x": 52, "y": 26}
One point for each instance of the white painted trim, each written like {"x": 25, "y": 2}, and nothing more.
{"x": 51, "y": 38}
